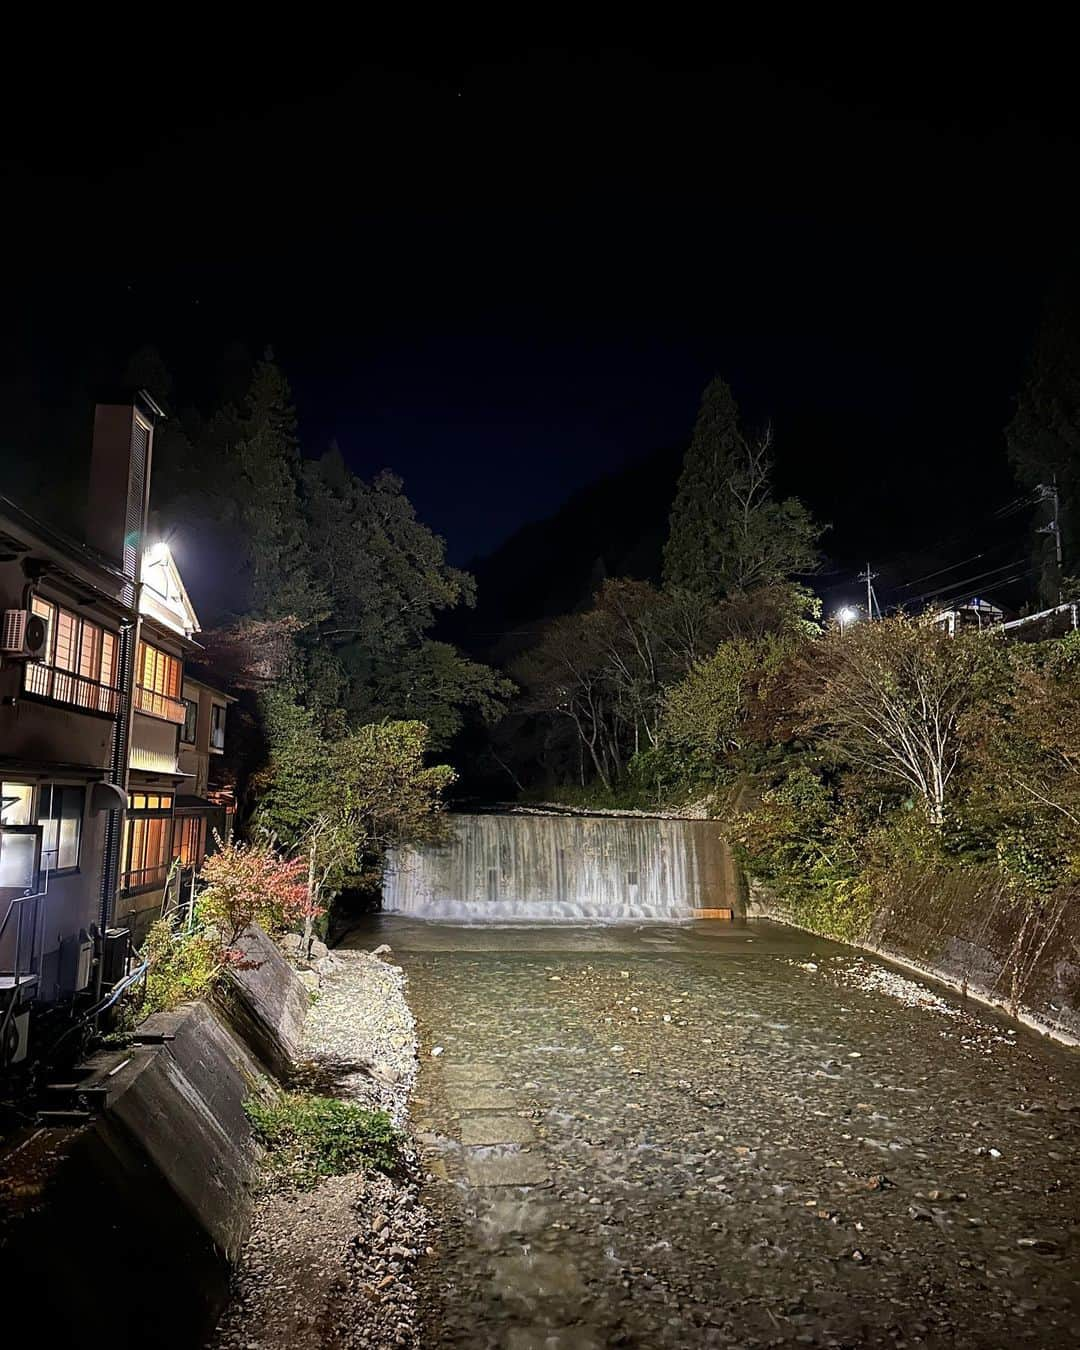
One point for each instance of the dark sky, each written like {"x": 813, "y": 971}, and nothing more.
{"x": 505, "y": 274}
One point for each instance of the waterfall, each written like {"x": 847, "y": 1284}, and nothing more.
{"x": 561, "y": 869}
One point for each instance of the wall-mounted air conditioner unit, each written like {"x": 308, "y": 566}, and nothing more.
{"x": 23, "y": 635}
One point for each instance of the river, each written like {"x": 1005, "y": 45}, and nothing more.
{"x": 714, "y": 1134}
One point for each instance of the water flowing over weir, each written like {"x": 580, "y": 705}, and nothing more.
{"x": 506, "y": 868}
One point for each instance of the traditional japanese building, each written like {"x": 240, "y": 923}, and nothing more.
{"x": 106, "y": 747}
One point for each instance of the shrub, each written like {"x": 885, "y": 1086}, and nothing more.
{"x": 184, "y": 964}
{"x": 308, "y": 1137}
{"x": 251, "y": 883}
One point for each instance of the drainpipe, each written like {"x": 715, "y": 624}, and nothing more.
{"x": 106, "y": 477}
{"x": 119, "y": 755}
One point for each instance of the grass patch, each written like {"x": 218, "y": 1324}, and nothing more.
{"x": 308, "y": 1137}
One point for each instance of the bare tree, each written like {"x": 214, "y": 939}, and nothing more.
{"x": 889, "y": 697}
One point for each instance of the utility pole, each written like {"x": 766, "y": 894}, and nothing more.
{"x": 871, "y": 598}
{"x": 1048, "y": 492}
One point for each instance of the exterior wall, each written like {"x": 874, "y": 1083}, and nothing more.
{"x": 71, "y": 903}
{"x": 47, "y": 735}
{"x": 154, "y": 745}
{"x": 53, "y": 742}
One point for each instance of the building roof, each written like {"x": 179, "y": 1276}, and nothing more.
{"x": 23, "y": 534}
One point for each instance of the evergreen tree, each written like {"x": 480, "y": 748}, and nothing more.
{"x": 727, "y": 532}
{"x": 1044, "y": 434}
{"x": 267, "y": 460}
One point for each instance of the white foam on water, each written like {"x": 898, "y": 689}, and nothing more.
{"x": 537, "y": 869}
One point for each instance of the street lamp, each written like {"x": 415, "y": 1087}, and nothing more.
{"x": 845, "y": 616}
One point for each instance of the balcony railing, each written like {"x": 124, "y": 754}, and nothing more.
{"x": 159, "y": 705}
{"x": 64, "y": 686}
{"x": 144, "y": 878}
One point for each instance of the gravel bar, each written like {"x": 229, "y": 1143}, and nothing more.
{"x": 332, "y": 1266}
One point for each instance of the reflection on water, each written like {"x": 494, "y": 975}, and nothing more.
{"x": 729, "y": 1136}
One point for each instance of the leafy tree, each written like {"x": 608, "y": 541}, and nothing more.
{"x": 245, "y": 884}
{"x": 890, "y": 698}
{"x": 386, "y": 579}
{"x": 727, "y": 532}
{"x": 606, "y": 674}
{"x": 341, "y": 801}
{"x": 706, "y": 714}
{"x": 435, "y": 684}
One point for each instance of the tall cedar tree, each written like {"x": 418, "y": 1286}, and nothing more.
{"x": 267, "y": 457}
{"x": 727, "y": 532}
{"x": 1044, "y": 434}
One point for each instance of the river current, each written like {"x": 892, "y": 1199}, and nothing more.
{"x": 716, "y": 1134}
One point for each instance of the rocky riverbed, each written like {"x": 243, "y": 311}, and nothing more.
{"x": 722, "y": 1136}
{"x": 334, "y": 1265}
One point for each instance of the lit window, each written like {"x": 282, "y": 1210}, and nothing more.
{"x": 188, "y": 840}
{"x": 158, "y": 683}
{"x": 147, "y": 843}
{"x": 15, "y": 803}
{"x": 146, "y": 852}
{"x": 78, "y": 665}
{"x": 60, "y": 814}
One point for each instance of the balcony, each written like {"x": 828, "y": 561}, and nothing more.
{"x": 64, "y": 686}
{"x": 159, "y": 705}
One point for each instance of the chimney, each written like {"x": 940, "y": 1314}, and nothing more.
{"x": 119, "y": 493}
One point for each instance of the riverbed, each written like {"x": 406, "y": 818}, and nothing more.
{"x": 718, "y": 1134}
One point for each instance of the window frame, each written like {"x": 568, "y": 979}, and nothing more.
{"x": 159, "y": 683}
{"x": 141, "y": 813}
{"x": 50, "y": 790}
{"x": 191, "y": 706}
{"x": 218, "y": 712}
{"x": 71, "y": 674}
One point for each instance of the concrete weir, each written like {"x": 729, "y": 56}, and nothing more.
{"x": 518, "y": 867}
{"x": 161, "y": 1171}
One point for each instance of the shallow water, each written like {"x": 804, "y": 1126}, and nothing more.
{"x": 731, "y": 1135}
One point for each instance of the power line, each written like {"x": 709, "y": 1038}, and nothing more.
{"x": 965, "y": 581}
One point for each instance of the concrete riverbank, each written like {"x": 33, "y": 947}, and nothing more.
{"x": 968, "y": 932}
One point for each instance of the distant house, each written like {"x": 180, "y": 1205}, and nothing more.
{"x": 105, "y": 744}
{"x": 971, "y": 616}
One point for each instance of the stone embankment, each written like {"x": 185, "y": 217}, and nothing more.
{"x": 333, "y": 1265}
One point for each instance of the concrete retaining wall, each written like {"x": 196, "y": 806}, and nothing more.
{"x": 967, "y": 930}
{"x": 121, "y": 1231}
{"x": 266, "y": 1002}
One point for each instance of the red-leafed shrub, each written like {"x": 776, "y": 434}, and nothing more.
{"x": 244, "y": 884}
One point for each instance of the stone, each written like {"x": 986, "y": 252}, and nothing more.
{"x": 318, "y": 949}
{"x": 508, "y": 1169}
{"x": 496, "y": 1130}
{"x": 462, "y": 1098}
{"x": 472, "y": 1073}
{"x": 383, "y": 949}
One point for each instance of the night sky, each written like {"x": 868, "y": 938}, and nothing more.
{"x": 505, "y": 275}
